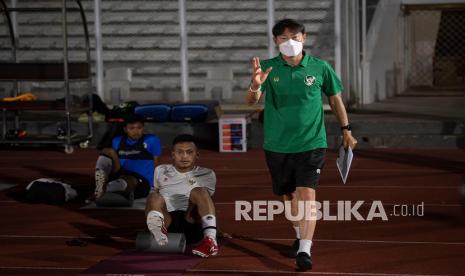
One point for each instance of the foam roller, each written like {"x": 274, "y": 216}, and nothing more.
{"x": 146, "y": 242}
{"x": 115, "y": 200}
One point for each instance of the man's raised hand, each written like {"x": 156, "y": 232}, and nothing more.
{"x": 258, "y": 76}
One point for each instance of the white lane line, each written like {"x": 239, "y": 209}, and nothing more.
{"x": 429, "y": 171}
{"x": 369, "y": 241}
{"x": 6, "y": 186}
{"x": 251, "y": 238}
{"x": 308, "y": 272}
{"x": 43, "y": 267}
{"x": 346, "y": 187}
{"x": 61, "y": 169}
{"x": 57, "y": 237}
{"x": 334, "y": 203}
{"x": 365, "y": 203}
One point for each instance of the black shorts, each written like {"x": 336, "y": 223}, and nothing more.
{"x": 179, "y": 224}
{"x": 142, "y": 187}
{"x": 291, "y": 170}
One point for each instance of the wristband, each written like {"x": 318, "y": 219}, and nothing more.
{"x": 347, "y": 127}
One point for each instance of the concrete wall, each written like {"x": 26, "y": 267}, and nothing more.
{"x": 382, "y": 46}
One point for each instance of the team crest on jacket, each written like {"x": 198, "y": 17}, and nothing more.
{"x": 309, "y": 80}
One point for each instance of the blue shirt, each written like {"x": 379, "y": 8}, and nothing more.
{"x": 141, "y": 166}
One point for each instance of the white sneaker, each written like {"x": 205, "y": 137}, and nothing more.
{"x": 100, "y": 181}
{"x": 157, "y": 227}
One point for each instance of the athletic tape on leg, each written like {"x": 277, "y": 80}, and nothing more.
{"x": 104, "y": 163}
{"x": 146, "y": 242}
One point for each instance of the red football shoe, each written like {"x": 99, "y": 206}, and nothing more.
{"x": 207, "y": 247}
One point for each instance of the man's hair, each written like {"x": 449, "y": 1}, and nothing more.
{"x": 290, "y": 24}
{"x": 131, "y": 119}
{"x": 181, "y": 138}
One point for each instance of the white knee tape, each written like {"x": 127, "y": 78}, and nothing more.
{"x": 104, "y": 163}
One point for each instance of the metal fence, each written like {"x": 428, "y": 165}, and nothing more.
{"x": 435, "y": 44}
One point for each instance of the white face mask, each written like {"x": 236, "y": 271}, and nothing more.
{"x": 291, "y": 48}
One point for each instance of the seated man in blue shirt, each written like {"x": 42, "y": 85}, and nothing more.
{"x": 129, "y": 164}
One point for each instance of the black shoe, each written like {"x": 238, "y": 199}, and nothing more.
{"x": 294, "y": 248}
{"x": 303, "y": 261}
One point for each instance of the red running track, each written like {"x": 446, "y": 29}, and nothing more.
{"x": 33, "y": 236}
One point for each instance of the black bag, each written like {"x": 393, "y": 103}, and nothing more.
{"x": 49, "y": 191}
{"x": 97, "y": 104}
{"x": 119, "y": 114}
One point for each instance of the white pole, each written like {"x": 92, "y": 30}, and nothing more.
{"x": 337, "y": 37}
{"x": 270, "y": 20}
{"x": 14, "y": 22}
{"x": 98, "y": 49}
{"x": 183, "y": 54}
{"x": 365, "y": 82}
{"x": 347, "y": 51}
{"x": 356, "y": 48}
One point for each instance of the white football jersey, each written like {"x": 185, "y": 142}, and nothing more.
{"x": 175, "y": 186}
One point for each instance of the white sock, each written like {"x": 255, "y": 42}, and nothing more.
{"x": 305, "y": 246}
{"x": 209, "y": 226}
{"x": 155, "y": 222}
{"x": 104, "y": 163}
{"x": 117, "y": 185}
{"x": 297, "y": 232}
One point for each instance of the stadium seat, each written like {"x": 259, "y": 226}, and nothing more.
{"x": 154, "y": 112}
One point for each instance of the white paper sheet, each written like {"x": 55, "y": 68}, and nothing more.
{"x": 344, "y": 161}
